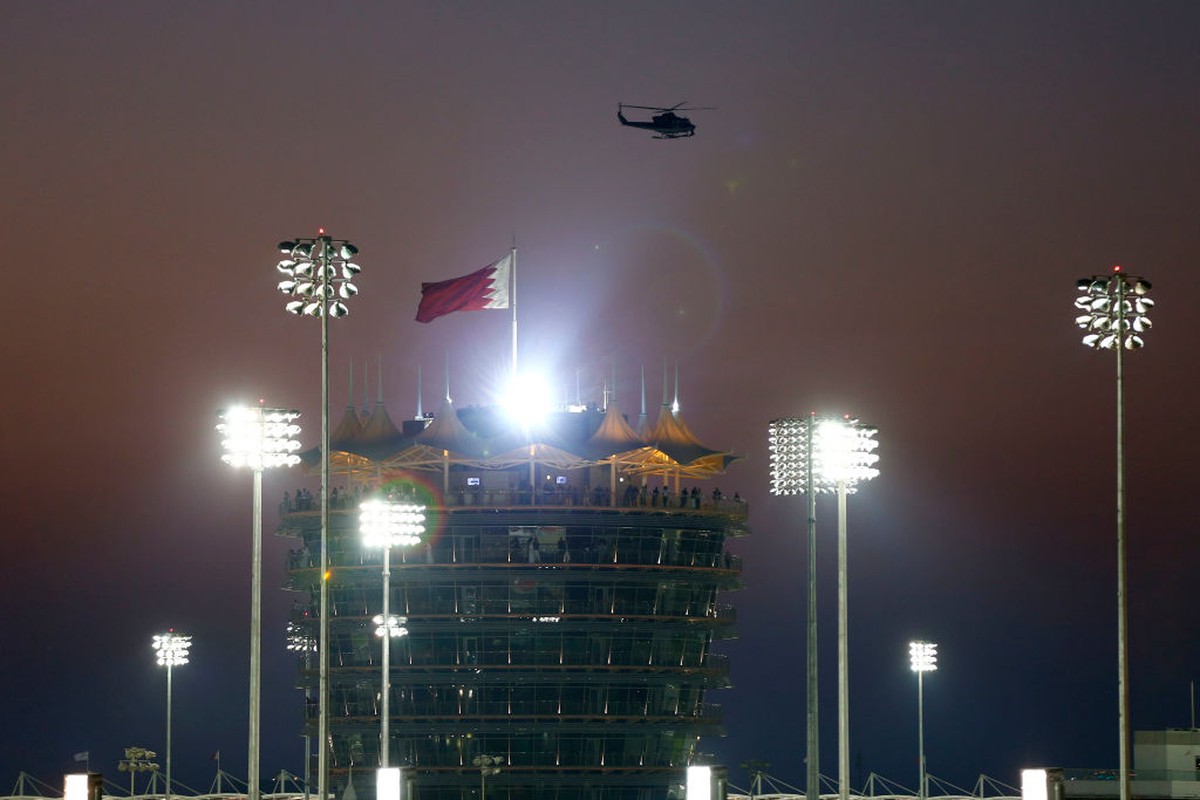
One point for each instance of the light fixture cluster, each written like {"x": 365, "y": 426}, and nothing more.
{"x": 843, "y": 452}
{"x": 392, "y": 627}
{"x": 385, "y": 523}
{"x": 299, "y": 639}
{"x": 319, "y": 273}
{"x": 488, "y": 765}
{"x": 923, "y": 656}
{"x": 787, "y": 442}
{"x": 172, "y": 648}
{"x": 258, "y": 437}
{"x": 1114, "y": 310}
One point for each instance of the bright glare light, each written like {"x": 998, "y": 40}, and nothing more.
{"x": 259, "y": 438}
{"x": 393, "y": 628}
{"x": 172, "y": 648}
{"x": 699, "y": 783}
{"x": 923, "y": 656}
{"x": 384, "y": 523}
{"x": 528, "y": 399}
{"x": 299, "y": 639}
{"x": 842, "y": 453}
{"x": 387, "y": 783}
{"x": 75, "y": 787}
{"x": 1033, "y": 784}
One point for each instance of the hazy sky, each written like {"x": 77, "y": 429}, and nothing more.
{"x": 885, "y": 215}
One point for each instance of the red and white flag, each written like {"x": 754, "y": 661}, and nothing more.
{"x": 482, "y": 289}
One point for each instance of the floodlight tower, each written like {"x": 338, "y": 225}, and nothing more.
{"x": 791, "y": 447}
{"x": 488, "y": 766}
{"x": 299, "y": 639}
{"x": 259, "y": 438}
{"x": 388, "y": 524}
{"x": 318, "y": 272}
{"x": 829, "y": 454}
{"x": 137, "y": 759}
{"x": 1114, "y": 313}
{"x": 171, "y": 650}
{"x": 923, "y": 658}
{"x": 844, "y": 456}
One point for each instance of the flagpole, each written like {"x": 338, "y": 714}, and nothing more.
{"x": 512, "y": 299}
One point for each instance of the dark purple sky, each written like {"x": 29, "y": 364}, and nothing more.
{"x": 885, "y": 216}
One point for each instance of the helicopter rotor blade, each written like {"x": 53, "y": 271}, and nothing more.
{"x": 677, "y": 107}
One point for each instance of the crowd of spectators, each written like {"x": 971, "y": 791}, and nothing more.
{"x": 551, "y": 494}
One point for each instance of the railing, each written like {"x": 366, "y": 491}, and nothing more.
{"x": 566, "y": 497}
{"x": 463, "y": 554}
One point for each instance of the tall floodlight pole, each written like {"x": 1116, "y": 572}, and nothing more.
{"x": 318, "y": 272}
{"x": 844, "y": 456}
{"x": 923, "y": 658}
{"x": 790, "y": 445}
{"x": 1114, "y": 309}
{"x": 299, "y": 639}
{"x": 137, "y": 759}
{"x": 259, "y": 438}
{"x": 171, "y": 649}
{"x": 388, "y": 524}
{"x": 824, "y": 454}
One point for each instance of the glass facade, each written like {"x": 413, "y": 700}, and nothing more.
{"x": 569, "y": 638}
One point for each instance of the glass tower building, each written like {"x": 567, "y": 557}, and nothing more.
{"x": 561, "y": 606}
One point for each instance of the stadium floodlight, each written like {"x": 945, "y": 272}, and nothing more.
{"x": 391, "y": 627}
{"x": 488, "y": 766}
{"x": 812, "y": 455}
{"x": 299, "y": 639}
{"x": 844, "y": 455}
{"x": 1114, "y": 315}
{"x": 259, "y": 438}
{"x": 385, "y": 523}
{"x": 170, "y": 650}
{"x": 1115, "y": 309}
{"x": 791, "y": 457}
{"x": 318, "y": 274}
{"x": 137, "y": 759}
{"x": 923, "y": 658}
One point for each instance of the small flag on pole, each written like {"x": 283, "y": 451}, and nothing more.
{"x": 84, "y": 756}
{"x": 483, "y": 289}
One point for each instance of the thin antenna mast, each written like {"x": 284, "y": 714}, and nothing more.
{"x": 666, "y": 385}
{"x": 675, "y": 403}
{"x": 420, "y": 414}
{"x": 366, "y": 409}
{"x": 512, "y": 300}
{"x": 613, "y": 366}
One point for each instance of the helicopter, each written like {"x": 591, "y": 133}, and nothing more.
{"x": 667, "y": 124}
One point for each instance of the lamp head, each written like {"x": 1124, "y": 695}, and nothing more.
{"x": 923, "y": 656}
